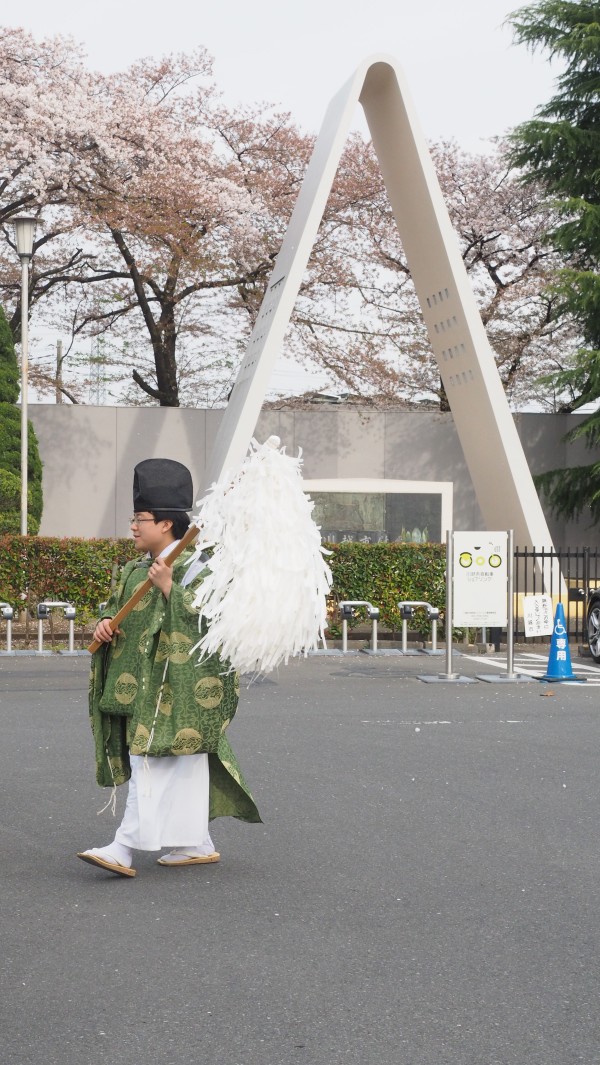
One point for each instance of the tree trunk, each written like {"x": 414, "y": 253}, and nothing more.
{"x": 166, "y": 371}
{"x": 444, "y": 402}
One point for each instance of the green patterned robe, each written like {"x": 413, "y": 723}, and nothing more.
{"x": 148, "y": 695}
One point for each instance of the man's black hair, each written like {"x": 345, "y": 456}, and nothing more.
{"x": 181, "y": 521}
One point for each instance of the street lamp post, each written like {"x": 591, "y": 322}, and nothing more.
{"x": 24, "y": 233}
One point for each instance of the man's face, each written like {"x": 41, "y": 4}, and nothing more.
{"x": 148, "y": 534}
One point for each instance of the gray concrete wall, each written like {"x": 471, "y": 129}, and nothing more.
{"x": 89, "y": 454}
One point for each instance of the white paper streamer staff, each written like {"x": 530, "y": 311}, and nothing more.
{"x": 264, "y": 598}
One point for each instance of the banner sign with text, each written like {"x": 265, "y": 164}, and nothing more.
{"x": 480, "y": 578}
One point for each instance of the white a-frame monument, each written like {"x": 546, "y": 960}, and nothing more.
{"x": 485, "y": 426}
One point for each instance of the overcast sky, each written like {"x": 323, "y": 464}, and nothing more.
{"x": 467, "y": 79}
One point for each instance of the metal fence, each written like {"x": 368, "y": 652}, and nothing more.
{"x": 541, "y": 571}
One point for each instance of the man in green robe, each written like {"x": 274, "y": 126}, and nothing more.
{"x": 159, "y": 716}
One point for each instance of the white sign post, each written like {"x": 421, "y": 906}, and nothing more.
{"x": 480, "y": 592}
{"x": 497, "y": 603}
{"x": 480, "y": 574}
{"x": 449, "y": 675}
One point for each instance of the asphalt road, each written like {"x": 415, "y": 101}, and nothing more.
{"x": 424, "y": 890}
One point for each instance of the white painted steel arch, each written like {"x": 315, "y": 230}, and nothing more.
{"x": 486, "y": 428}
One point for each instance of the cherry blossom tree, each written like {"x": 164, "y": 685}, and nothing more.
{"x": 164, "y": 212}
{"x": 382, "y": 347}
{"x": 113, "y": 158}
{"x": 163, "y": 209}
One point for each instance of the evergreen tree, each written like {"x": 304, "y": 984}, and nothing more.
{"x": 560, "y": 148}
{"x": 10, "y": 445}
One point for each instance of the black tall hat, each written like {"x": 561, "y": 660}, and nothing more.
{"x": 162, "y": 484}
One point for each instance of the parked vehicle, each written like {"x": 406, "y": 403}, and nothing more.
{"x": 593, "y": 623}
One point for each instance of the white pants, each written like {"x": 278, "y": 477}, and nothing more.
{"x": 167, "y": 804}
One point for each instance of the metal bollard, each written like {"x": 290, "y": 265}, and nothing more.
{"x": 374, "y": 618}
{"x": 43, "y": 613}
{"x": 407, "y": 609}
{"x": 70, "y": 616}
{"x": 373, "y": 612}
{"x": 346, "y": 607}
{"x": 7, "y": 613}
{"x": 433, "y": 615}
{"x": 347, "y": 613}
{"x": 406, "y": 612}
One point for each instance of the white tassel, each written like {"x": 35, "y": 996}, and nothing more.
{"x": 265, "y": 597}
{"x": 111, "y": 803}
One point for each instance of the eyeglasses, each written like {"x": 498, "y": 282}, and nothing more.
{"x": 138, "y": 521}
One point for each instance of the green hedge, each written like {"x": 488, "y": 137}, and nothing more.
{"x": 34, "y": 568}
{"x": 384, "y": 574}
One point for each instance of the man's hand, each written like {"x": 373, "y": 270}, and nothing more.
{"x": 161, "y": 576}
{"x": 103, "y": 631}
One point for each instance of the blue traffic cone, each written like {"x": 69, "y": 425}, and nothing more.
{"x": 559, "y": 661}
